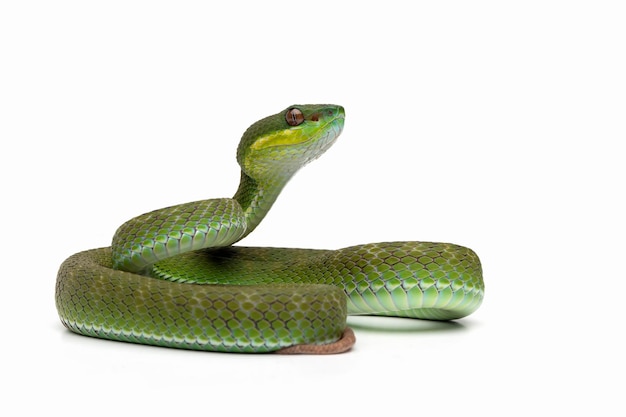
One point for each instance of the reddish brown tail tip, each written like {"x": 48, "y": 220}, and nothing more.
{"x": 340, "y": 346}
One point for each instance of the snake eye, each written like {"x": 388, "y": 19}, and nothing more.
{"x": 294, "y": 117}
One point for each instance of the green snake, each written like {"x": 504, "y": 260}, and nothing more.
{"x": 172, "y": 278}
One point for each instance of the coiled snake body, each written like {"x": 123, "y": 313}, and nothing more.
{"x": 171, "y": 277}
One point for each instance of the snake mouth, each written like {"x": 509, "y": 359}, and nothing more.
{"x": 333, "y": 126}
{"x": 326, "y": 137}
{"x": 337, "y": 118}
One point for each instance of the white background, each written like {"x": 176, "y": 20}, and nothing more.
{"x": 495, "y": 125}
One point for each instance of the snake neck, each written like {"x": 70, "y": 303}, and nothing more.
{"x": 256, "y": 198}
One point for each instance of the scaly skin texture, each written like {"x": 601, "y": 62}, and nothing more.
{"x": 171, "y": 277}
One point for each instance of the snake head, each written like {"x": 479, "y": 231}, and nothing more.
{"x": 283, "y": 143}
